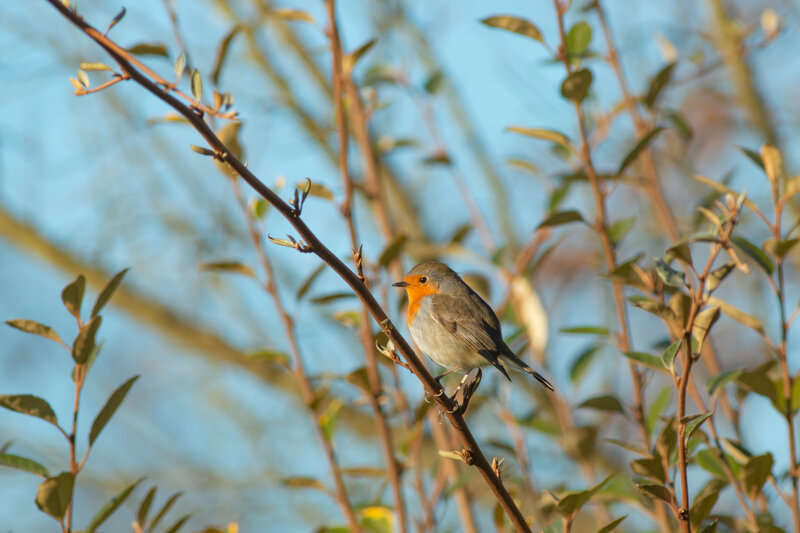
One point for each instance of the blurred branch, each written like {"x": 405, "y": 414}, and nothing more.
{"x": 341, "y": 80}
{"x": 601, "y": 228}
{"x": 471, "y": 453}
{"x": 744, "y": 82}
{"x": 653, "y": 187}
{"x": 309, "y": 396}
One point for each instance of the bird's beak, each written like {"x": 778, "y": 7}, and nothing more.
{"x": 400, "y": 284}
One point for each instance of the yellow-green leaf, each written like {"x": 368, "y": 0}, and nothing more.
{"x": 514, "y": 24}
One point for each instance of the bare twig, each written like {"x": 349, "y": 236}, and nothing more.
{"x": 298, "y": 367}
{"x": 375, "y": 384}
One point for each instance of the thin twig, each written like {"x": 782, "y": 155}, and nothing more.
{"x": 298, "y": 367}
{"x": 375, "y": 384}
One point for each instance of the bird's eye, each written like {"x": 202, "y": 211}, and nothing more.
{"x": 423, "y": 279}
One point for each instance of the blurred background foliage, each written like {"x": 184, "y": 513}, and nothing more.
{"x": 97, "y": 183}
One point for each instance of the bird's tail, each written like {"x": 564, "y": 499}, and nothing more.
{"x": 509, "y": 356}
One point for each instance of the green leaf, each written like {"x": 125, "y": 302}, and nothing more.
{"x": 23, "y": 463}
{"x": 352, "y": 58}
{"x": 702, "y": 325}
{"x": 711, "y": 528}
{"x": 144, "y": 507}
{"x": 545, "y": 135}
{"x": 202, "y": 151}
{"x": 328, "y": 418}
{"x": 363, "y": 471}
{"x": 149, "y": 49}
{"x": 756, "y": 472}
{"x": 179, "y": 66}
{"x": 514, "y": 24}
{"x": 620, "y": 228}
{"x": 657, "y": 84}
{"x": 681, "y": 251}
{"x": 654, "y": 491}
{"x": 34, "y": 328}
{"x": 227, "y": 266}
{"x": 641, "y": 145}
{"x": 716, "y": 276}
{"x": 455, "y": 455}
{"x": 179, "y": 524}
{"x": 306, "y": 285}
{"x": 55, "y": 495}
{"x": 667, "y": 439}
{"x": 287, "y": 13}
{"x": 72, "y": 295}
{"x": 222, "y": 52}
{"x": 571, "y": 503}
{"x": 705, "y": 500}
{"x": 164, "y": 510}
{"x": 780, "y": 248}
{"x": 755, "y": 253}
{"x": 316, "y": 189}
{"x": 653, "y": 306}
{"x": 108, "y": 291}
{"x": 578, "y": 38}
{"x": 657, "y": 407}
{"x": 433, "y": 82}
{"x": 29, "y": 405}
{"x": 646, "y": 359}
{"x": 717, "y": 383}
{"x": 392, "y": 250}
{"x": 586, "y": 330}
{"x": 109, "y": 408}
{"x": 625, "y": 445}
{"x": 651, "y": 467}
{"x": 300, "y": 482}
{"x": 582, "y": 362}
{"x": 735, "y": 449}
{"x": 611, "y": 526}
{"x": 668, "y": 357}
{"x": 85, "y": 341}
{"x": 196, "y": 83}
{"x": 271, "y": 356}
{"x": 112, "y": 505}
{"x": 758, "y": 381}
{"x": 604, "y": 402}
{"x": 332, "y": 297}
{"x": 669, "y": 275}
{"x": 738, "y": 315}
{"x": 577, "y": 84}
{"x": 680, "y": 124}
{"x": 693, "y": 423}
{"x": 708, "y": 461}
{"x": 753, "y": 156}
{"x": 560, "y": 218}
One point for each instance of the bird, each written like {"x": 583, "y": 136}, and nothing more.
{"x": 454, "y": 326}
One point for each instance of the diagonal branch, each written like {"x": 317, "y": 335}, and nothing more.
{"x": 472, "y": 452}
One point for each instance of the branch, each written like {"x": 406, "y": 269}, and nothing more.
{"x": 471, "y": 448}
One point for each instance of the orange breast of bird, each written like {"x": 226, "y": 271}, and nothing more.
{"x": 415, "y": 295}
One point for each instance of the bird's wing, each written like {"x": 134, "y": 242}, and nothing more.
{"x": 475, "y": 325}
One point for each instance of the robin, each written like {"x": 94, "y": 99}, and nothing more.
{"x": 454, "y": 326}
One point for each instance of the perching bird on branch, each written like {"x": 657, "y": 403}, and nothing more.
{"x": 454, "y": 326}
